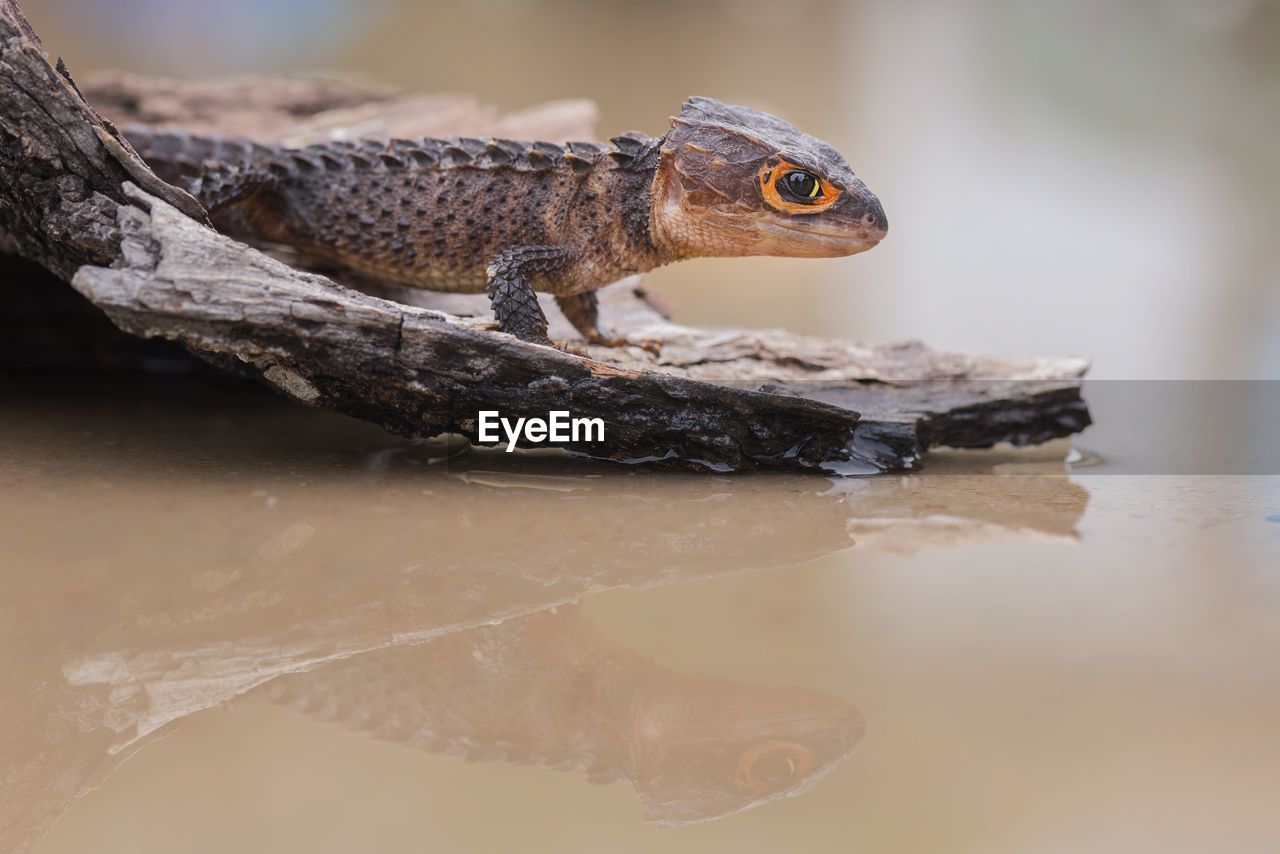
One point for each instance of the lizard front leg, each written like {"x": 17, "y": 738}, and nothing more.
{"x": 510, "y": 292}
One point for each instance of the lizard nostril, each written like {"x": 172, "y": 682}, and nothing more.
{"x": 875, "y": 218}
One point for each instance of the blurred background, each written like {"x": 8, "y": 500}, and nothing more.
{"x": 1088, "y": 177}
{"x": 1083, "y": 178}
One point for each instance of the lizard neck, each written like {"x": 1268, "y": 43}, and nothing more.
{"x": 606, "y": 220}
{"x": 641, "y": 222}
{"x": 670, "y": 225}
{"x": 630, "y": 191}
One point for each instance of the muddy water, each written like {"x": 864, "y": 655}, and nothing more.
{"x": 353, "y": 642}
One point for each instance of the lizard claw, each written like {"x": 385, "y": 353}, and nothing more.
{"x": 651, "y": 345}
{"x": 571, "y": 349}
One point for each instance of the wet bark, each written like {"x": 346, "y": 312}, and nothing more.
{"x": 77, "y": 201}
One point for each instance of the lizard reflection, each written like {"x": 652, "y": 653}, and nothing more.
{"x": 553, "y": 689}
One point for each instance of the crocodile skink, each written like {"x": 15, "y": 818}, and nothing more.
{"x": 514, "y": 218}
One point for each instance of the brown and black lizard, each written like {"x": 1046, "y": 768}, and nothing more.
{"x": 511, "y": 218}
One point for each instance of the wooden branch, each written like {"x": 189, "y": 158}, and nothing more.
{"x": 61, "y": 164}
{"x": 75, "y": 198}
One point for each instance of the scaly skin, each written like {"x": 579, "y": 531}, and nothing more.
{"x": 511, "y": 218}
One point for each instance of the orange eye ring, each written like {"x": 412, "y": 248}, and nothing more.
{"x": 769, "y": 175}
{"x": 799, "y": 762}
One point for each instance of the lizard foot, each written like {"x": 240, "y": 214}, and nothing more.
{"x": 582, "y": 310}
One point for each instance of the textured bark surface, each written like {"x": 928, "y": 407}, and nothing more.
{"x": 61, "y": 165}
{"x": 76, "y": 200}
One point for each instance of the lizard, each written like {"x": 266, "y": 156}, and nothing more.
{"x": 512, "y": 218}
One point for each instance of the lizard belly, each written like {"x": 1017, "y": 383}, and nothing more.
{"x": 402, "y": 252}
{"x": 427, "y": 276}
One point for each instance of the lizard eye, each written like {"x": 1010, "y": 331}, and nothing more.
{"x": 794, "y": 190}
{"x": 772, "y": 766}
{"x": 802, "y": 184}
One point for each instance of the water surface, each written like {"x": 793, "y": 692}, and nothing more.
{"x": 352, "y": 640}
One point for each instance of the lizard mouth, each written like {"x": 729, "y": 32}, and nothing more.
{"x": 818, "y": 239}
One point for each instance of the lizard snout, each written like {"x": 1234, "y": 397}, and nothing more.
{"x": 873, "y": 220}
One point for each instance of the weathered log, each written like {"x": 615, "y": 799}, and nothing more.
{"x": 76, "y": 199}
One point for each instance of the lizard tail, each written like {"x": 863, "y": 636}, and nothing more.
{"x": 217, "y": 170}
{"x": 176, "y": 154}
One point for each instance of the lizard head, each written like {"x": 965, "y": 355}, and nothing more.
{"x": 703, "y": 747}
{"x": 736, "y": 181}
